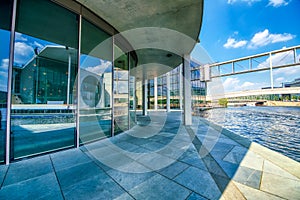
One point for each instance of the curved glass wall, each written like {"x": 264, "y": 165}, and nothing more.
{"x": 44, "y": 74}
{"x": 50, "y": 90}
{"x": 95, "y": 99}
{"x": 5, "y": 24}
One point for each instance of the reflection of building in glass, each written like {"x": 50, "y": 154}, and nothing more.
{"x": 45, "y": 78}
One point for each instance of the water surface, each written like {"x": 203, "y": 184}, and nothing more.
{"x": 277, "y": 128}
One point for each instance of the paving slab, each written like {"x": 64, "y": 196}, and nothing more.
{"x": 41, "y": 187}
{"x": 159, "y": 188}
{"x": 199, "y": 181}
{"x": 28, "y": 169}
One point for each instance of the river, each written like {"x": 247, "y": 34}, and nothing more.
{"x": 277, "y": 128}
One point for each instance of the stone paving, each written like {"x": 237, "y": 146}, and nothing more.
{"x": 157, "y": 159}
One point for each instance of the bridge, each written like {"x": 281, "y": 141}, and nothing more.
{"x": 286, "y": 57}
{"x": 289, "y": 90}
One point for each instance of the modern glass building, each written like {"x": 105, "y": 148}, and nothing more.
{"x": 74, "y": 72}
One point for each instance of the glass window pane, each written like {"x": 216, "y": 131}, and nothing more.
{"x": 44, "y": 74}
{"x": 5, "y": 23}
{"x": 95, "y": 84}
{"x": 121, "y": 91}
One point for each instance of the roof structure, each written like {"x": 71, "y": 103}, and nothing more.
{"x": 160, "y": 31}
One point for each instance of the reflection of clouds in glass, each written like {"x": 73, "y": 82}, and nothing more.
{"x": 23, "y": 53}
{"x": 4, "y": 64}
{"x": 38, "y": 45}
{"x": 4, "y": 74}
{"x": 105, "y": 66}
{"x": 3, "y": 87}
{"x": 3, "y": 81}
{"x": 122, "y": 87}
{"x": 123, "y": 75}
{"x": 20, "y": 37}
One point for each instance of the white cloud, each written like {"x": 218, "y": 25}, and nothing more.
{"x": 247, "y": 84}
{"x": 235, "y": 84}
{"x": 278, "y": 59}
{"x": 280, "y": 79}
{"x": 19, "y": 37}
{"x": 287, "y": 71}
{"x": 249, "y": 2}
{"x": 23, "y": 52}
{"x": 230, "y": 83}
{"x": 264, "y": 38}
{"x": 274, "y": 3}
{"x": 278, "y": 3}
{"x": 232, "y": 43}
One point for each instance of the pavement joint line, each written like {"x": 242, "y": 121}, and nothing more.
{"x": 196, "y": 139}
{"x": 93, "y": 160}
{"x": 61, "y": 191}
{"x": 4, "y": 176}
{"x": 262, "y": 172}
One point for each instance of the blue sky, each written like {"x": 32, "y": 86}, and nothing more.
{"x": 238, "y": 28}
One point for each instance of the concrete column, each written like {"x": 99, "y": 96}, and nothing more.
{"x": 180, "y": 88}
{"x": 168, "y": 91}
{"x": 145, "y": 97}
{"x": 187, "y": 115}
{"x": 155, "y": 93}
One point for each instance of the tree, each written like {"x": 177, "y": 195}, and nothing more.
{"x": 223, "y": 102}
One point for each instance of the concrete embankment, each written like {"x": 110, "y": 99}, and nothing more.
{"x": 281, "y": 103}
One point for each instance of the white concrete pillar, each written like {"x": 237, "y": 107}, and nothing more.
{"x": 180, "y": 88}
{"x": 145, "y": 97}
{"x": 187, "y": 115}
{"x": 155, "y": 93}
{"x": 168, "y": 91}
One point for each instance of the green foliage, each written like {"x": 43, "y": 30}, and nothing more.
{"x": 223, "y": 102}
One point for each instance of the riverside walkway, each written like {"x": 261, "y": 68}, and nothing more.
{"x": 157, "y": 159}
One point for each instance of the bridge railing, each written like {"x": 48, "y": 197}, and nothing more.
{"x": 285, "y": 57}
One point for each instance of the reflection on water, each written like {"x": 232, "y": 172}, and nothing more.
{"x": 277, "y": 128}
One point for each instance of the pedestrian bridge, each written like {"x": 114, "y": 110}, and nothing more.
{"x": 289, "y": 90}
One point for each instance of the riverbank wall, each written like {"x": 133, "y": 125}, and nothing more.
{"x": 281, "y": 103}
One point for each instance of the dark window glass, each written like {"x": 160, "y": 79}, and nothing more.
{"x": 5, "y": 24}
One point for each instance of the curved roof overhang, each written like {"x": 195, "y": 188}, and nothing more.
{"x": 159, "y": 31}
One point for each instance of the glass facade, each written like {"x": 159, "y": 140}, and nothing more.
{"x": 66, "y": 87}
{"x": 68, "y": 80}
{"x": 5, "y": 25}
{"x": 198, "y": 89}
